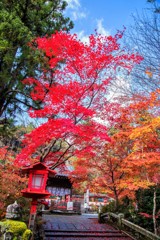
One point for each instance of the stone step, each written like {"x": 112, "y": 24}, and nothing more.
{"x": 81, "y": 231}
{"x": 65, "y": 234}
{"x": 87, "y": 238}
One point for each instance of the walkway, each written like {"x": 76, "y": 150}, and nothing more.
{"x": 78, "y": 227}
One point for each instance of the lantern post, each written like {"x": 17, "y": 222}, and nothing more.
{"x": 38, "y": 175}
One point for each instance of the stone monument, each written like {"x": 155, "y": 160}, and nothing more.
{"x": 13, "y": 211}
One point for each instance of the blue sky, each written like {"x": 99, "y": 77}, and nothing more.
{"x": 106, "y": 16}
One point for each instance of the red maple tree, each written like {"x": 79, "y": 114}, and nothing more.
{"x": 74, "y": 97}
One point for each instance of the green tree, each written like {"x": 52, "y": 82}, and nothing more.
{"x": 21, "y": 22}
{"x": 145, "y": 204}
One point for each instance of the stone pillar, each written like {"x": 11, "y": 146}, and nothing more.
{"x": 120, "y": 216}
{"x": 32, "y": 216}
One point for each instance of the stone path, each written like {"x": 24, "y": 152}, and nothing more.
{"x": 78, "y": 227}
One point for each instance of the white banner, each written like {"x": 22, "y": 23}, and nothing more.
{"x": 69, "y": 205}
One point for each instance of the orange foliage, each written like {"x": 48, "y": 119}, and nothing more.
{"x": 131, "y": 160}
{"x": 141, "y": 166}
{"x": 11, "y": 182}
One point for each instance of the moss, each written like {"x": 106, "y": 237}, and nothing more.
{"x": 26, "y": 235}
{"x": 17, "y": 228}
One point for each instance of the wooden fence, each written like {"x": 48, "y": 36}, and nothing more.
{"x": 134, "y": 230}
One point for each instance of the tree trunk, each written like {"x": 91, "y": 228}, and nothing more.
{"x": 116, "y": 200}
{"x": 154, "y": 212}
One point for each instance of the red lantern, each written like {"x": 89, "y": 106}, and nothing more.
{"x": 38, "y": 175}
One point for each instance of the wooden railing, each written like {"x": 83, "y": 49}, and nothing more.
{"x": 128, "y": 227}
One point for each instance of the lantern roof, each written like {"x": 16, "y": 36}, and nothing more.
{"x": 36, "y": 194}
{"x": 38, "y": 166}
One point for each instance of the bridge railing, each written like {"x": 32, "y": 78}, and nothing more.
{"x": 134, "y": 230}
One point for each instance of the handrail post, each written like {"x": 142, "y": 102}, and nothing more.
{"x": 120, "y": 216}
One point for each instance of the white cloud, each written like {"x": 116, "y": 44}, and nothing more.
{"x": 100, "y": 28}
{"x": 75, "y": 9}
{"x": 84, "y": 38}
{"x": 73, "y": 4}
{"x": 119, "y": 88}
{"x": 77, "y": 15}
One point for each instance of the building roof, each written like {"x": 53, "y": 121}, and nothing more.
{"x": 59, "y": 181}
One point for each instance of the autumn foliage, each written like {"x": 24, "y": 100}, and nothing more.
{"x": 11, "y": 181}
{"x": 142, "y": 163}
{"x": 74, "y": 97}
{"x": 117, "y": 155}
{"x": 131, "y": 160}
